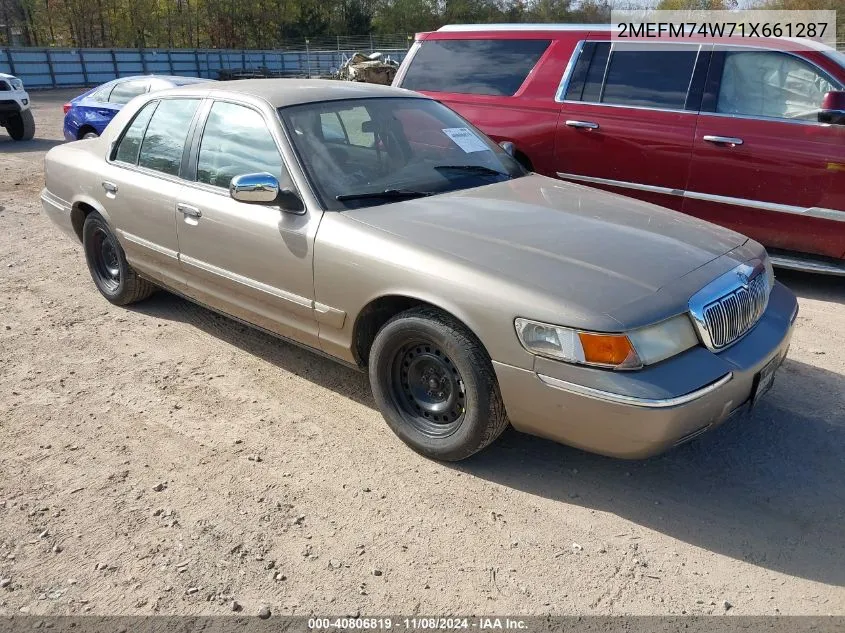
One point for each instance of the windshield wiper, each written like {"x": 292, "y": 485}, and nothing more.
{"x": 478, "y": 169}
{"x": 395, "y": 194}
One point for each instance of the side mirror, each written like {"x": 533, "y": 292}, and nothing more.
{"x": 833, "y": 108}
{"x": 264, "y": 188}
{"x": 509, "y": 147}
{"x": 254, "y": 188}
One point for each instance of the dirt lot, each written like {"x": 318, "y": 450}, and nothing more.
{"x": 164, "y": 459}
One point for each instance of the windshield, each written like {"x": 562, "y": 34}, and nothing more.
{"x": 837, "y": 56}
{"x": 364, "y": 152}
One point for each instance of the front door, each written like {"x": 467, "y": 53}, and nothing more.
{"x": 628, "y": 116}
{"x": 762, "y": 164}
{"x": 251, "y": 261}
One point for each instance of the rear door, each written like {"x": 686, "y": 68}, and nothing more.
{"x": 762, "y": 163}
{"x": 142, "y": 186}
{"x": 628, "y": 114}
{"x": 252, "y": 261}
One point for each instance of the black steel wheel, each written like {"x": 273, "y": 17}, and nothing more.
{"x": 428, "y": 387}
{"x": 106, "y": 262}
{"x": 435, "y": 386}
{"x": 116, "y": 280}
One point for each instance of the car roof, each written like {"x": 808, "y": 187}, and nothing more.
{"x": 285, "y": 92}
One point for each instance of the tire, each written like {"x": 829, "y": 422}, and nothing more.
{"x": 21, "y": 126}
{"x": 90, "y": 135}
{"x": 116, "y": 280}
{"x": 435, "y": 386}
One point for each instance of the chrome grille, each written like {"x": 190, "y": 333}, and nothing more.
{"x": 732, "y": 315}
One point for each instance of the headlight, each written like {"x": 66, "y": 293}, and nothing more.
{"x": 17, "y": 84}
{"x": 630, "y": 350}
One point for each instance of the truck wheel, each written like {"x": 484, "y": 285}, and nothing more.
{"x": 116, "y": 280}
{"x": 435, "y": 385}
{"x": 21, "y": 126}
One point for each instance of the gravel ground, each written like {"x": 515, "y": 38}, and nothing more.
{"x": 162, "y": 459}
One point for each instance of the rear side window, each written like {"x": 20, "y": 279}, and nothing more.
{"x": 164, "y": 141}
{"x": 771, "y": 84}
{"x": 125, "y": 91}
{"x": 235, "y": 142}
{"x": 130, "y": 144}
{"x": 633, "y": 76}
{"x": 485, "y": 67}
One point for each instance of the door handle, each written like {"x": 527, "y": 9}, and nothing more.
{"x": 584, "y": 125}
{"x": 188, "y": 211}
{"x": 723, "y": 140}
{"x": 110, "y": 187}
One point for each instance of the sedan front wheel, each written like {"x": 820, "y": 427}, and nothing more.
{"x": 435, "y": 385}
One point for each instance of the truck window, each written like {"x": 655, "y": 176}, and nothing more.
{"x": 484, "y": 67}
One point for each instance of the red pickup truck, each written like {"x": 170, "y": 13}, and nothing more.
{"x": 748, "y": 136}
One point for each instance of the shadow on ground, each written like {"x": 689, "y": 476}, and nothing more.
{"x": 767, "y": 488}
{"x": 8, "y": 146}
{"x": 810, "y": 286}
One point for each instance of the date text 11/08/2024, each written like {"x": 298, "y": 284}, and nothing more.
{"x": 429, "y": 623}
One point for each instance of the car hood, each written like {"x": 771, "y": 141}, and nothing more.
{"x": 583, "y": 245}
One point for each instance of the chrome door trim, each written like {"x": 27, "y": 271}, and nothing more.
{"x": 811, "y": 212}
{"x": 246, "y": 281}
{"x": 621, "y": 183}
{"x": 140, "y": 241}
{"x": 567, "y": 73}
{"x": 618, "y": 398}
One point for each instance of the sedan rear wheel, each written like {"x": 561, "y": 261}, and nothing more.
{"x": 435, "y": 385}
{"x": 116, "y": 280}
{"x": 90, "y": 135}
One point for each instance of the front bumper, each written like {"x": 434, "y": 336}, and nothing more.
{"x": 643, "y": 413}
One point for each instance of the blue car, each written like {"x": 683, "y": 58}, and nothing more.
{"x": 87, "y": 115}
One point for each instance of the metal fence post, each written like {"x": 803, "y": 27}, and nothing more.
{"x": 11, "y": 62}
{"x": 50, "y": 67}
{"x": 308, "y": 56}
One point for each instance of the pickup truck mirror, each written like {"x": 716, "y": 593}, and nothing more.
{"x": 833, "y": 108}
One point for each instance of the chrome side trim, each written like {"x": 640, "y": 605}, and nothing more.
{"x": 621, "y": 183}
{"x": 812, "y": 212}
{"x": 54, "y": 200}
{"x": 152, "y": 246}
{"x": 246, "y": 281}
{"x": 618, "y": 398}
{"x": 807, "y": 265}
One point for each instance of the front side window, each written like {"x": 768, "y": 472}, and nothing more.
{"x": 638, "y": 76}
{"x": 130, "y": 144}
{"x": 391, "y": 149}
{"x": 164, "y": 141}
{"x": 486, "y": 67}
{"x": 235, "y": 141}
{"x": 125, "y": 91}
{"x": 771, "y": 84}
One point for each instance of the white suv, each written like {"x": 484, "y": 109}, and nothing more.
{"x": 15, "y": 113}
